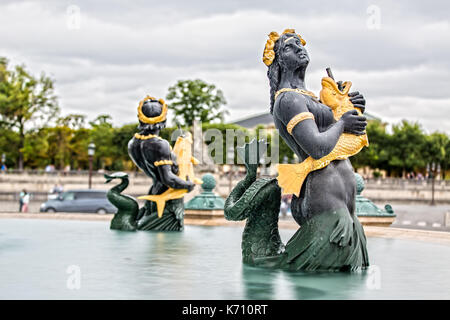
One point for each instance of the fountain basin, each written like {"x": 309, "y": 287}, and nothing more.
{"x": 38, "y": 258}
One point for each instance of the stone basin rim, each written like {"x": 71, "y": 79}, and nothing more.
{"x": 440, "y": 237}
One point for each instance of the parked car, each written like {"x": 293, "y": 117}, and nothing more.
{"x": 80, "y": 201}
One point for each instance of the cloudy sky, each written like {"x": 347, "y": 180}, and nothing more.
{"x": 110, "y": 55}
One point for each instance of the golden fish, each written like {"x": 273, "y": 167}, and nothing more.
{"x": 186, "y": 162}
{"x": 291, "y": 176}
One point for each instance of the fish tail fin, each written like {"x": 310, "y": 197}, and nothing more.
{"x": 291, "y": 176}
{"x": 366, "y": 140}
{"x": 160, "y": 202}
{"x": 160, "y": 205}
{"x": 161, "y": 199}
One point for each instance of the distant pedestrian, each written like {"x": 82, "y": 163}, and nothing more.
{"x": 57, "y": 189}
{"x": 284, "y": 207}
{"x": 21, "y": 195}
{"x": 26, "y": 201}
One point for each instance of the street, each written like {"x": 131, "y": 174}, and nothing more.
{"x": 421, "y": 216}
{"x": 410, "y": 216}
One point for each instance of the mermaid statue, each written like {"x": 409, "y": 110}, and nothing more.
{"x": 170, "y": 170}
{"x": 323, "y": 133}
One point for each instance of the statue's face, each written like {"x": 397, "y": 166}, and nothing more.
{"x": 292, "y": 53}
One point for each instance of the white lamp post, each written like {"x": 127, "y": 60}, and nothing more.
{"x": 91, "y": 152}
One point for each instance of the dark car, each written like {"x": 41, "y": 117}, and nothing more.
{"x": 80, "y": 201}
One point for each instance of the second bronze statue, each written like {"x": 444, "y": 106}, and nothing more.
{"x": 171, "y": 172}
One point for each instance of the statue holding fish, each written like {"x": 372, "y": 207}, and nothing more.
{"x": 171, "y": 171}
{"x": 323, "y": 132}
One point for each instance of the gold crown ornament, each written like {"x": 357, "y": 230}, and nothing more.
{"x": 152, "y": 120}
{"x": 269, "y": 53}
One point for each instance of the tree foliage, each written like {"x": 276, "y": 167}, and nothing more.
{"x": 377, "y": 154}
{"x": 33, "y": 136}
{"x": 196, "y": 100}
{"x": 25, "y": 100}
{"x": 407, "y": 147}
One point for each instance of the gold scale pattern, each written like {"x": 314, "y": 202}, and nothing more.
{"x": 291, "y": 176}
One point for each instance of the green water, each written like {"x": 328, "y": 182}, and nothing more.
{"x": 199, "y": 263}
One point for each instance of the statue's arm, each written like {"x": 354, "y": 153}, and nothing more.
{"x": 292, "y": 106}
{"x": 164, "y": 163}
{"x": 169, "y": 179}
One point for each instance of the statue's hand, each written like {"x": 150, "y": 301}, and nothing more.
{"x": 175, "y": 169}
{"x": 357, "y": 100}
{"x": 189, "y": 185}
{"x": 354, "y": 123}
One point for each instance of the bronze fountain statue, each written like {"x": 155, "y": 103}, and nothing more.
{"x": 170, "y": 170}
{"x": 323, "y": 133}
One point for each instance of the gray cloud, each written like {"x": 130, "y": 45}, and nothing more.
{"x": 124, "y": 51}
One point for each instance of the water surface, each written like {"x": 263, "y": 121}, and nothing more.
{"x": 199, "y": 263}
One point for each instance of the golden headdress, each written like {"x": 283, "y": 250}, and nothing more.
{"x": 269, "y": 53}
{"x": 151, "y": 120}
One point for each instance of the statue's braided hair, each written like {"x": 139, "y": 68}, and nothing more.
{"x": 273, "y": 73}
{"x": 272, "y": 60}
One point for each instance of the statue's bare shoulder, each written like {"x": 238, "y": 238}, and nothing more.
{"x": 288, "y": 105}
{"x": 157, "y": 148}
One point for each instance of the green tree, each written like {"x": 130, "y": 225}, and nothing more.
{"x": 436, "y": 150}
{"x": 407, "y": 147}
{"x": 447, "y": 159}
{"x": 102, "y": 133}
{"x": 376, "y": 155}
{"x": 120, "y": 139}
{"x": 59, "y": 140}
{"x": 73, "y": 121}
{"x": 9, "y": 146}
{"x": 36, "y": 148}
{"x": 196, "y": 100}
{"x": 79, "y": 148}
{"x": 25, "y": 100}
